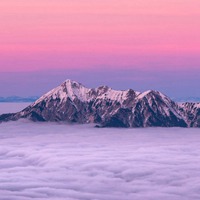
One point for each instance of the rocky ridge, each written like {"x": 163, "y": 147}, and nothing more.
{"x": 73, "y": 102}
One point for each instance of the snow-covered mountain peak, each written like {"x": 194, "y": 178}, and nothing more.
{"x": 150, "y": 93}
{"x": 75, "y": 90}
{"x": 102, "y": 90}
{"x": 153, "y": 95}
{"x": 73, "y": 102}
{"x": 68, "y": 89}
{"x": 71, "y": 84}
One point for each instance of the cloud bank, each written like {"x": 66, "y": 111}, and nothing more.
{"x": 62, "y": 162}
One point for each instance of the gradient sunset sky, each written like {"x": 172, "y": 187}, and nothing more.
{"x": 139, "y": 44}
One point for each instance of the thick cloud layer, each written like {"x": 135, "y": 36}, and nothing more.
{"x": 76, "y": 162}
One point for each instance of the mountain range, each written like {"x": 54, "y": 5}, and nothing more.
{"x": 73, "y": 102}
{"x": 18, "y": 99}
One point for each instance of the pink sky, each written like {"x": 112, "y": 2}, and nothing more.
{"x": 51, "y": 34}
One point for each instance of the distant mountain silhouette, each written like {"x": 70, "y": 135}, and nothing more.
{"x": 18, "y": 99}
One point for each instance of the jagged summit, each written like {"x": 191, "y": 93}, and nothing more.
{"x": 74, "y": 90}
{"x": 68, "y": 89}
{"x": 72, "y": 84}
{"x": 73, "y": 102}
{"x": 144, "y": 94}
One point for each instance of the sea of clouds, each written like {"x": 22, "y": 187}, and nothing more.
{"x": 49, "y": 161}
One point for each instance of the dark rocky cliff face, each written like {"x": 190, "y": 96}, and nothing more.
{"x": 191, "y": 112}
{"x": 72, "y": 102}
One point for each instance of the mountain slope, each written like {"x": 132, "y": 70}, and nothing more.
{"x": 73, "y": 102}
{"x": 191, "y": 111}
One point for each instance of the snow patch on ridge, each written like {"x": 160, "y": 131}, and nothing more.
{"x": 114, "y": 95}
{"x": 73, "y": 89}
{"x": 143, "y": 94}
